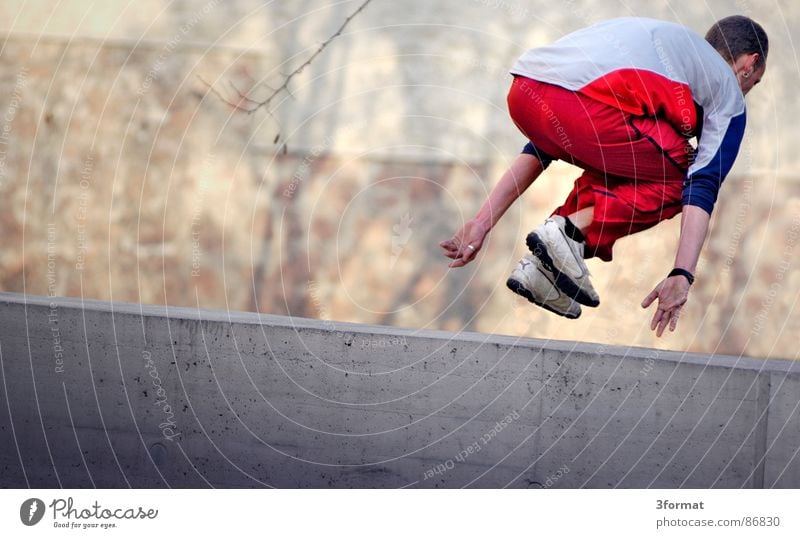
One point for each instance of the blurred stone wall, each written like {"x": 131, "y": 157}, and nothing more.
{"x": 125, "y": 177}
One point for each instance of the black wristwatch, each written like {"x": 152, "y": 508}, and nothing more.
{"x": 683, "y": 272}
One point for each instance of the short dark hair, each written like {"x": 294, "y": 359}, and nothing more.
{"x": 737, "y": 35}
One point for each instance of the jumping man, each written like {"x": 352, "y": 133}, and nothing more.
{"x": 622, "y": 100}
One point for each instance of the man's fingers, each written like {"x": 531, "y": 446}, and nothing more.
{"x": 656, "y": 319}
{"x": 668, "y": 311}
{"x": 448, "y": 245}
{"x": 650, "y": 298}
{"x": 662, "y": 324}
{"x": 670, "y": 320}
{"x": 470, "y": 253}
{"x": 450, "y": 249}
{"x": 452, "y": 244}
{"x": 674, "y": 321}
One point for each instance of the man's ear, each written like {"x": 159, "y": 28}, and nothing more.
{"x": 750, "y": 61}
{"x": 746, "y": 62}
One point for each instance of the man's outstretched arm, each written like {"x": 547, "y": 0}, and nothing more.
{"x": 672, "y": 292}
{"x": 467, "y": 242}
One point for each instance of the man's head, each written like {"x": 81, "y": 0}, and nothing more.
{"x": 743, "y": 43}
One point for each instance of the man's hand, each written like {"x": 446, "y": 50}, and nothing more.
{"x": 671, "y": 293}
{"x": 466, "y": 243}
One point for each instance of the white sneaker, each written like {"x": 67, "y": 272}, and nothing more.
{"x": 534, "y": 282}
{"x": 563, "y": 256}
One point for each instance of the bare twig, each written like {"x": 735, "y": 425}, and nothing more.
{"x": 242, "y": 96}
{"x": 250, "y": 105}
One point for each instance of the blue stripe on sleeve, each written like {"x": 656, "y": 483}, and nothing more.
{"x": 702, "y": 187}
{"x": 543, "y": 157}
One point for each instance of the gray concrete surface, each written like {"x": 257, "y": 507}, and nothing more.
{"x": 118, "y": 395}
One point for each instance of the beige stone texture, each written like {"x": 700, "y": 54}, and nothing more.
{"x": 124, "y": 177}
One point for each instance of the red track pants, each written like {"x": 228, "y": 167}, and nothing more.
{"x": 634, "y": 166}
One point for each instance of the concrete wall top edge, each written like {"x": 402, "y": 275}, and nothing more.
{"x": 779, "y": 366}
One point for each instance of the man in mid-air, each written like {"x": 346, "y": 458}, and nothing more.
{"x": 621, "y": 100}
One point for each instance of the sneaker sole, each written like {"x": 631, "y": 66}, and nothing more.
{"x": 539, "y": 249}
{"x": 517, "y": 287}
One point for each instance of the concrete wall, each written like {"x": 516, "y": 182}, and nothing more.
{"x": 258, "y": 401}
{"x": 122, "y": 177}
